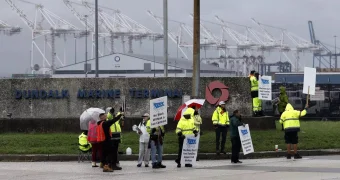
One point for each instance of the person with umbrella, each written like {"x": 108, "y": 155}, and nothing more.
{"x": 88, "y": 124}
{"x": 185, "y": 127}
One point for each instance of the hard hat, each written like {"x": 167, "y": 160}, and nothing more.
{"x": 146, "y": 115}
{"x": 221, "y": 103}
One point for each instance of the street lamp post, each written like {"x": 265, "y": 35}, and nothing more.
{"x": 336, "y": 57}
{"x": 165, "y": 32}
{"x": 154, "y": 59}
{"x": 96, "y": 36}
{"x": 177, "y": 41}
{"x": 86, "y": 46}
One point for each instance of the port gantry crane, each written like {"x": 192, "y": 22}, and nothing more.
{"x": 298, "y": 44}
{"x": 325, "y": 53}
{"x": 8, "y": 29}
{"x": 55, "y": 27}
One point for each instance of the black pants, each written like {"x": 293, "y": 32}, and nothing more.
{"x": 107, "y": 152}
{"x": 235, "y": 148}
{"x": 180, "y": 147}
{"x": 114, "y": 151}
{"x": 221, "y": 130}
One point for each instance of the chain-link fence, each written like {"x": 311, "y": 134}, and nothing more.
{"x": 328, "y": 108}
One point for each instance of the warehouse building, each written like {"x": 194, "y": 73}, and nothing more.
{"x": 133, "y": 65}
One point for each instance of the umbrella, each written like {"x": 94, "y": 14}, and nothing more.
{"x": 88, "y": 115}
{"x": 198, "y": 103}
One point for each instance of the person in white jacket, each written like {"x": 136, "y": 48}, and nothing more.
{"x": 144, "y": 137}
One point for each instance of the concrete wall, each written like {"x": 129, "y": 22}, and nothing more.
{"x": 72, "y": 107}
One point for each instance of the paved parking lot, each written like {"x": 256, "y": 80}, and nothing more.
{"x": 318, "y": 168}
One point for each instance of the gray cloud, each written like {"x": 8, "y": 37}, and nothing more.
{"x": 290, "y": 14}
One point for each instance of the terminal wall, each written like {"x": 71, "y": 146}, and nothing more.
{"x": 72, "y": 107}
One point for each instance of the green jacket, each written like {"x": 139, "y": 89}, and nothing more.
{"x": 283, "y": 100}
{"x": 235, "y": 122}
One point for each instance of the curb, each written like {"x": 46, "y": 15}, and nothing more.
{"x": 202, "y": 156}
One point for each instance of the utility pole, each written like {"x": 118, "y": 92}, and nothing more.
{"x": 86, "y": 46}
{"x": 96, "y": 34}
{"x": 196, "y": 50}
{"x": 154, "y": 58}
{"x": 336, "y": 57}
{"x": 165, "y": 24}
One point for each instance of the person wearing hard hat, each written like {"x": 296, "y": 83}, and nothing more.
{"x": 220, "y": 119}
{"x": 144, "y": 137}
{"x": 291, "y": 125}
{"x": 185, "y": 127}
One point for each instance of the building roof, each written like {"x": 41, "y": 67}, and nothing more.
{"x": 173, "y": 63}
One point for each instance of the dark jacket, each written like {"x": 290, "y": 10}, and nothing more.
{"x": 235, "y": 122}
{"x": 107, "y": 125}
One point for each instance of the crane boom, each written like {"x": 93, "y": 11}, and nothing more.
{"x": 81, "y": 18}
{"x": 20, "y": 12}
{"x": 311, "y": 32}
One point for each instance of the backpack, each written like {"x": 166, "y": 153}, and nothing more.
{"x": 92, "y": 133}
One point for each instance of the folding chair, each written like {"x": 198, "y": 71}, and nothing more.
{"x": 84, "y": 155}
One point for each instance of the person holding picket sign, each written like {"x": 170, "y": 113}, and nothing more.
{"x": 185, "y": 127}
{"x": 235, "y": 122}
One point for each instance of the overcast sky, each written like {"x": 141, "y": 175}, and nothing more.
{"x": 290, "y": 14}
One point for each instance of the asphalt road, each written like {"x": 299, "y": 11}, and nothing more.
{"x": 318, "y": 168}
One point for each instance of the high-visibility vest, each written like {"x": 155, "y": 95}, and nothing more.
{"x": 220, "y": 117}
{"x": 84, "y": 145}
{"x": 100, "y": 133}
{"x": 186, "y": 126}
{"x": 290, "y": 118}
{"x": 92, "y": 133}
{"x": 254, "y": 83}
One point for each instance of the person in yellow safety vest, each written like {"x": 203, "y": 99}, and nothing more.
{"x": 291, "y": 125}
{"x": 116, "y": 136}
{"x": 156, "y": 144}
{"x": 84, "y": 144}
{"x": 252, "y": 73}
{"x": 220, "y": 119}
{"x": 257, "y": 103}
{"x": 185, "y": 126}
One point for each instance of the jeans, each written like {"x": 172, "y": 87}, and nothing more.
{"x": 156, "y": 148}
{"x": 221, "y": 130}
{"x": 235, "y": 148}
{"x": 144, "y": 153}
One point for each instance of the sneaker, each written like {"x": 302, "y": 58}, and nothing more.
{"x": 139, "y": 165}
{"x": 238, "y": 162}
{"x": 94, "y": 166}
{"x": 289, "y": 156}
{"x": 188, "y": 165}
{"x": 179, "y": 165}
{"x": 106, "y": 168}
{"x": 297, "y": 156}
{"x": 146, "y": 165}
